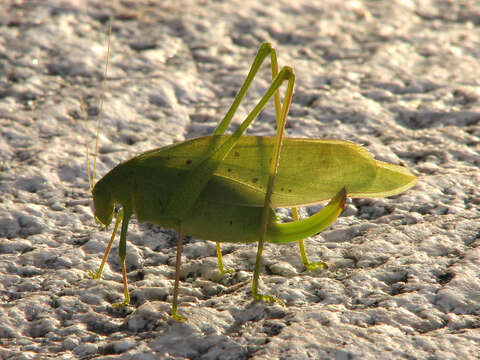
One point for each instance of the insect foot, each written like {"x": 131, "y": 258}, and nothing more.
{"x": 267, "y": 298}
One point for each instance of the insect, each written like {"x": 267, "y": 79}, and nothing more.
{"x": 223, "y": 187}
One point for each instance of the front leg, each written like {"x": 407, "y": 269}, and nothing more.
{"x": 98, "y": 274}
{"x": 122, "y": 252}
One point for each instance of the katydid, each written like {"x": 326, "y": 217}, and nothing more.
{"x": 224, "y": 187}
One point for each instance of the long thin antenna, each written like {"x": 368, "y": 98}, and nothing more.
{"x": 85, "y": 117}
{"x": 100, "y": 115}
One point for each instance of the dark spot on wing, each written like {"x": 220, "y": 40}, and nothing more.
{"x": 289, "y": 190}
{"x": 189, "y": 162}
{"x": 229, "y": 170}
{"x": 231, "y": 222}
{"x": 254, "y": 180}
{"x": 237, "y": 154}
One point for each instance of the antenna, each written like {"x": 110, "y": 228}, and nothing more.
{"x": 91, "y": 178}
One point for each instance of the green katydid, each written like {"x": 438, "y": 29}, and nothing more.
{"x": 224, "y": 187}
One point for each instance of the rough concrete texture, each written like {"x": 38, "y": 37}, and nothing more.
{"x": 399, "y": 77}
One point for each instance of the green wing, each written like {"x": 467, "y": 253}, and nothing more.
{"x": 310, "y": 171}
